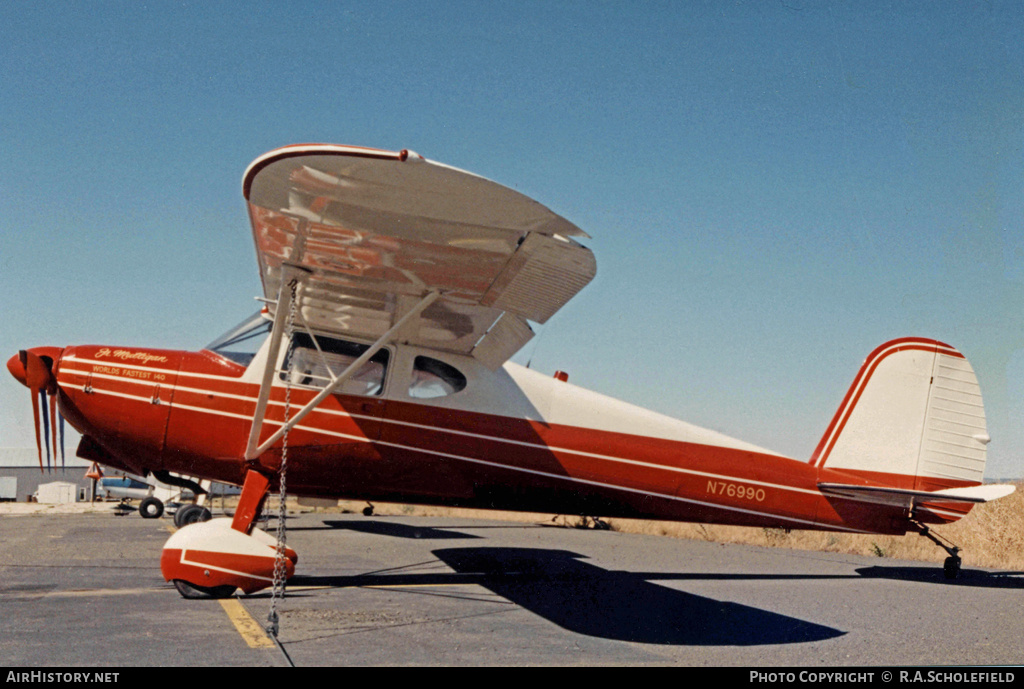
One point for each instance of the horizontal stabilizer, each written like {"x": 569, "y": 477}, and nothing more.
{"x": 884, "y": 495}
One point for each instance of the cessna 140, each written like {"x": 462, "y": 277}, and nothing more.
{"x": 396, "y": 290}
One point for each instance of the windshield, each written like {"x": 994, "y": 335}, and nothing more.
{"x": 241, "y": 343}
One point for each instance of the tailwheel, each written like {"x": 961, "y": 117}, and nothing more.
{"x": 951, "y": 566}
{"x": 193, "y": 592}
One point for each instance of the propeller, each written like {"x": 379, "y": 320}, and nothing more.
{"x": 34, "y": 370}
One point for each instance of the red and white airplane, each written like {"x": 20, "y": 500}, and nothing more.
{"x": 396, "y": 290}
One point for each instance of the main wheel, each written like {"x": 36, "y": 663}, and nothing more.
{"x": 151, "y": 508}
{"x": 193, "y": 592}
{"x": 951, "y": 568}
{"x": 190, "y": 514}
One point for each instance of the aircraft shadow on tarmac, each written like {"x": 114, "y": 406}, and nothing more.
{"x": 397, "y": 530}
{"x": 933, "y": 575}
{"x": 558, "y": 586}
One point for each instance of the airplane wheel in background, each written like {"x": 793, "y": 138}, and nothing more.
{"x": 180, "y": 514}
{"x": 193, "y": 592}
{"x": 951, "y": 568}
{"x": 190, "y": 514}
{"x": 151, "y": 508}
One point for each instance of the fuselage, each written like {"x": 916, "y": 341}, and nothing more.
{"x": 508, "y": 439}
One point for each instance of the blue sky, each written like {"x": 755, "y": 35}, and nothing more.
{"x": 773, "y": 189}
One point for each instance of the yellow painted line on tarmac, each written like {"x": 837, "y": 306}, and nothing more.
{"x": 251, "y": 631}
{"x": 79, "y": 593}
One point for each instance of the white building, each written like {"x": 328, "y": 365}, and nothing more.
{"x": 57, "y": 493}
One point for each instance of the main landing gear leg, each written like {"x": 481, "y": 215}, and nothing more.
{"x": 250, "y": 501}
{"x": 211, "y": 559}
{"x": 951, "y": 567}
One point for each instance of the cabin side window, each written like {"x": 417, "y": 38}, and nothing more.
{"x": 432, "y": 378}
{"x": 305, "y": 365}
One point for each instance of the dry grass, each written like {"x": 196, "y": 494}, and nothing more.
{"x": 992, "y": 535}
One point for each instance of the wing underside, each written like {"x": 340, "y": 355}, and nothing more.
{"x": 374, "y": 231}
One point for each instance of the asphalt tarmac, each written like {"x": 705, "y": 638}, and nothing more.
{"x": 85, "y": 590}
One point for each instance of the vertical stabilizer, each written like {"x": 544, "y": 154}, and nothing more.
{"x": 913, "y": 418}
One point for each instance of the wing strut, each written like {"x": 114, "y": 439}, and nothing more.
{"x": 277, "y": 335}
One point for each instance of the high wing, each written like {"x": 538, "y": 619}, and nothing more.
{"x": 375, "y": 231}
